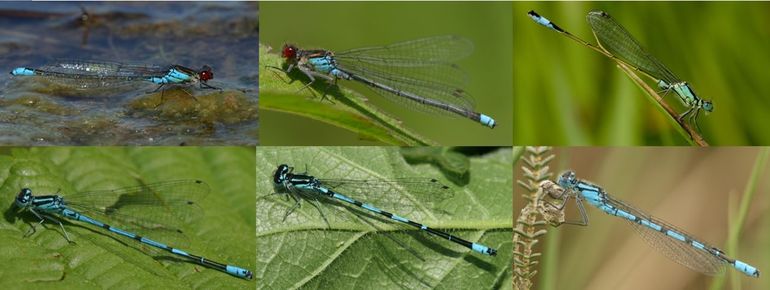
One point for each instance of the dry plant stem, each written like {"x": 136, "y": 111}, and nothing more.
{"x": 694, "y": 136}
{"x": 530, "y": 225}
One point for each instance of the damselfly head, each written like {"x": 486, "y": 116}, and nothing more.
{"x": 567, "y": 179}
{"x": 707, "y": 106}
{"x": 280, "y": 173}
{"x": 24, "y": 197}
{"x": 205, "y": 73}
{"x": 289, "y": 51}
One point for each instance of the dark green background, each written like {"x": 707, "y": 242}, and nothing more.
{"x": 342, "y": 25}
{"x": 567, "y": 94}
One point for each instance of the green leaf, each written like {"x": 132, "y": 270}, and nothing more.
{"x": 340, "y": 107}
{"x": 354, "y": 250}
{"x": 98, "y": 259}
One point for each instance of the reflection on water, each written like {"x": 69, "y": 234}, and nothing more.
{"x": 222, "y": 35}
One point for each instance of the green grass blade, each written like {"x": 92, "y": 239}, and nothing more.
{"x": 738, "y": 219}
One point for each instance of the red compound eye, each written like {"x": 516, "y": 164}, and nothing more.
{"x": 289, "y": 51}
{"x": 205, "y": 74}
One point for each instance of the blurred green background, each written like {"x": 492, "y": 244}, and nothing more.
{"x": 340, "y": 26}
{"x": 697, "y": 190}
{"x": 567, "y": 94}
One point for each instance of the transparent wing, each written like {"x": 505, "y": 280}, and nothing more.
{"x": 422, "y": 67}
{"x": 104, "y": 68}
{"x": 425, "y": 186}
{"x": 162, "y": 206}
{"x": 678, "y": 251}
{"x": 97, "y": 74}
{"x": 419, "y": 52}
{"x": 614, "y": 38}
{"x": 441, "y": 82}
{"x": 396, "y": 195}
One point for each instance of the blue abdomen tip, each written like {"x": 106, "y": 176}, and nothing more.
{"x": 487, "y": 121}
{"x": 22, "y": 71}
{"x": 746, "y": 268}
{"x": 236, "y": 271}
{"x": 480, "y": 248}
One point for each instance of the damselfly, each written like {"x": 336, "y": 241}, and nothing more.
{"x": 417, "y": 73}
{"x": 158, "y": 203}
{"x": 85, "y": 74}
{"x": 303, "y": 185}
{"x": 617, "y": 43}
{"x": 675, "y": 243}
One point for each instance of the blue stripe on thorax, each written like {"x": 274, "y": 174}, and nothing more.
{"x": 591, "y": 194}
{"x": 173, "y": 76}
{"x": 48, "y": 203}
{"x": 177, "y": 75}
{"x": 685, "y": 94}
{"x": 324, "y": 64}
